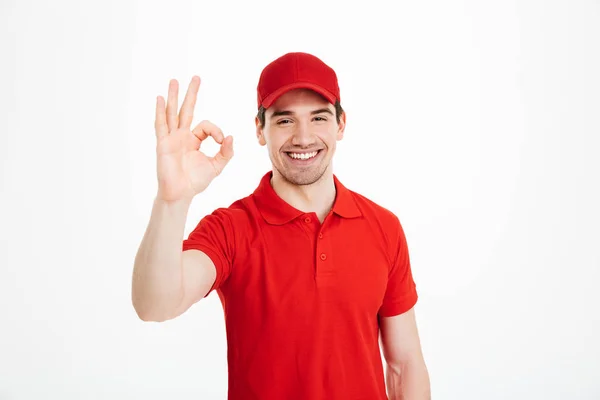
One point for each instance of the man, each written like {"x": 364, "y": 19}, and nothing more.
{"x": 310, "y": 274}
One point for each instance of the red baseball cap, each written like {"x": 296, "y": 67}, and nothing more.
{"x": 293, "y": 71}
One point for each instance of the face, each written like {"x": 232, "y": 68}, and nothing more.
{"x": 300, "y": 133}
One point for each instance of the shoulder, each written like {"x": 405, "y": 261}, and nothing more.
{"x": 382, "y": 222}
{"x": 375, "y": 211}
{"x": 237, "y": 214}
{"x": 240, "y": 218}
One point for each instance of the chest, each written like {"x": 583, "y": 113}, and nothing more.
{"x": 305, "y": 268}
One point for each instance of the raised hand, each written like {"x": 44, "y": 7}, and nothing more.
{"x": 183, "y": 170}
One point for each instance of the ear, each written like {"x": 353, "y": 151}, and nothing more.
{"x": 259, "y": 132}
{"x": 341, "y": 126}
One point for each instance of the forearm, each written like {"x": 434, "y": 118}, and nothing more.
{"x": 409, "y": 381}
{"x": 157, "y": 272}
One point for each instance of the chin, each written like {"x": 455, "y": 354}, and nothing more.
{"x": 302, "y": 178}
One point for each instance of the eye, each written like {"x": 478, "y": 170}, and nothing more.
{"x": 320, "y": 119}
{"x": 284, "y": 121}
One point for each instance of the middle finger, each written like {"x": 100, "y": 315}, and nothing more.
{"x": 187, "y": 109}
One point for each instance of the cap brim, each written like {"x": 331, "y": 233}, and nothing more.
{"x": 270, "y": 99}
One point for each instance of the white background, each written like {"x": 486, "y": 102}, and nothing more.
{"x": 477, "y": 123}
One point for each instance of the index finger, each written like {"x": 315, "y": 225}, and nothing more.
{"x": 205, "y": 129}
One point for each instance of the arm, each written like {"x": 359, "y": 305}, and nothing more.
{"x": 407, "y": 377}
{"x": 167, "y": 281}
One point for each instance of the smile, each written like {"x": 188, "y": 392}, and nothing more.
{"x": 303, "y": 156}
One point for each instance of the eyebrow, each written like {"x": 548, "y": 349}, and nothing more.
{"x": 278, "y": 113}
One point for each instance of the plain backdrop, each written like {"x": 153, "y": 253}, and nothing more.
{"x": 476, "y": 122}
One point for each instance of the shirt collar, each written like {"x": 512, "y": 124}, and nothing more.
{"x": 277, "y": 211}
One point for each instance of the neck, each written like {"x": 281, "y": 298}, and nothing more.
{"x": 317, "y": 197}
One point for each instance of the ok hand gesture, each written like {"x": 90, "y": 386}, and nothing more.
{"x": 183, "y": 170}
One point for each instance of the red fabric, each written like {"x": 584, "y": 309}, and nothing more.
{"x": 293, "y": 71}
{"x": 302, "y": 300}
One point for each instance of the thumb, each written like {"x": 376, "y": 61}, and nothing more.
{"x": 225, "y": 154}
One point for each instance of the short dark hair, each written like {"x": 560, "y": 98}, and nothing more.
{"x": 262, "y": 111}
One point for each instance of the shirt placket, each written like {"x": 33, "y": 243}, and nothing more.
{"x": 323, "y": 261}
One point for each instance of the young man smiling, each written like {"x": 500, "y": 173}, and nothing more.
{"x": 312, "y": 276}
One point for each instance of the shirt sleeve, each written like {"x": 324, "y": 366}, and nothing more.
{"x": 214, "y": 237}
{"x": 401, "y": 293}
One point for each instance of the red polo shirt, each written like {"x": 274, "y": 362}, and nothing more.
{"x": 302, "y": 298}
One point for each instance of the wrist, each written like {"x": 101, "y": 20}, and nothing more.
{"x": 182, "y": 204}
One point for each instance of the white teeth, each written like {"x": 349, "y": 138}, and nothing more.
{"x": 303, "y": 156}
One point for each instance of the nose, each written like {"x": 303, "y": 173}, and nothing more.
{"x": 303, "y": 136}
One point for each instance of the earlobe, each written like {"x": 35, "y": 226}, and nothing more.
{"x": 259, "y": 133}
{"x": 341, "y": 126}
{"x": 261, "y": 140}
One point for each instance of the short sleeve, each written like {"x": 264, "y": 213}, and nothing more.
{"x": 401, "y": 293}
{"x": 214, "y": 237}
